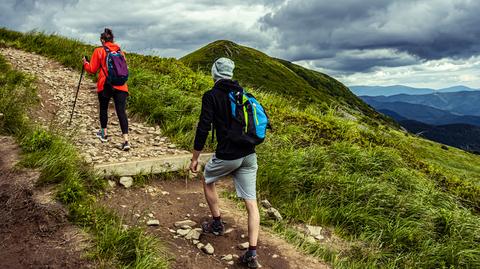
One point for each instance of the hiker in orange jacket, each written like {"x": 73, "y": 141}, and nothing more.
{"x": 105, "y": 90}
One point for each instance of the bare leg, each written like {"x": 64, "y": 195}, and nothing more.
{"x": 211, "y": 197}
{"x": 253, "y": 221}
{"x": 105, "y": 132}
{"x": 125, "y": 137}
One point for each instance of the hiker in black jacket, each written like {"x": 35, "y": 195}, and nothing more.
{"x": 240, "y": 161}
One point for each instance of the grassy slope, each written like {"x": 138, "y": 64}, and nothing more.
{"x": 262, "y": 72}
{"x": 375, "y": 185}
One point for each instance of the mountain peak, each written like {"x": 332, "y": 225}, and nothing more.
{"x": 257, "y": 70}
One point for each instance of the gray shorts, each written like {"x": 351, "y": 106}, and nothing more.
{"x": 243, "y": 170}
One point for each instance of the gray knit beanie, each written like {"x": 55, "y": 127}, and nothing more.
{"x": 223, "y": 69}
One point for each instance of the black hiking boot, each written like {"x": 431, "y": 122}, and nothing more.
{"x": 249, "y": 261}
{"x": 125, "y": 146}
{"x": 214, "y": 227}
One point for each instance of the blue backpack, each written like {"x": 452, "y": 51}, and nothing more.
{"x": 249, "y": 121}
{"x": 117, "y": 67}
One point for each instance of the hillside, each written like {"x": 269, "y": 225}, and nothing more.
{"x": 386, "y": 198}
{"x": 267, "y": 74}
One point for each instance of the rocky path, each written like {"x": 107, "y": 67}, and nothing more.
{"x": 57, "y": 87}
{"x": 173, "y": 210}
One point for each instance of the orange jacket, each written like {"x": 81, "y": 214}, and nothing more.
{"x": 98, "y": 61}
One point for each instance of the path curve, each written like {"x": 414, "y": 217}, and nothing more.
{"x": 57, "y": 86}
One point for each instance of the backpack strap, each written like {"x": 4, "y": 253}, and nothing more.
{"x": 213, "y": 120}
{"x": 107, "y": 50}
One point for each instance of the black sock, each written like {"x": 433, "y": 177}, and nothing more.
{"x": 252, "y": 251}
{"x": 217, "y": 220}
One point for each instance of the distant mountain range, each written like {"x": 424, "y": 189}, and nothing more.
{"x": 461, "y": 103}
{"x": 462, "y": 136}
{"x": 422, "y": 113}
{"x": 447, "y": 116}
{"x": 400, "y": 89}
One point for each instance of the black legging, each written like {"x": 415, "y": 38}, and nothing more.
{"x": 120, "y": 100}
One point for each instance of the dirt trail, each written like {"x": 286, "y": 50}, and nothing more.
{"x": 57, "y": 85}
{"x": 34, "y": 231}
{"x": 174, "y": 200}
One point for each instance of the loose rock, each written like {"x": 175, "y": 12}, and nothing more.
{"x": 243, "y": 246}
{"x": 112, "y": 184}
{"x": 190, "y": 223}
{"x": 275, "y": 214}
{"x": 208, "y": 249}
{"x": 127, "y": 182}
{"x": 313, "y": 230}
{"x": 153, "y": 222}
{"x": 227, "y": 258}
{"x": 266, "y": 204}
{"x": 193, "y": 234}
{"x": 183, "y": 232}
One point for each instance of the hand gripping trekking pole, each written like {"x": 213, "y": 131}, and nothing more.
{"x": 76, "y": 95}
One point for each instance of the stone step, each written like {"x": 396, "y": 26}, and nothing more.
{"x": 149, "y": 166}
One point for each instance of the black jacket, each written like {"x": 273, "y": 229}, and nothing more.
{"x": 216, "y": 109}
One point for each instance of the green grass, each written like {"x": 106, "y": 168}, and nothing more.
{"x": 401, "y": 201}
{"x": 77, "y": 186}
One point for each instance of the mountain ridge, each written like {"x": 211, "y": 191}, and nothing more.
{"x": 423, "y": 113}
{"x": 361, "y": 90}
{"x": 461, "y": 103}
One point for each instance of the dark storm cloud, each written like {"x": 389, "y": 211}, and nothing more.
{"x": 168, "y": 27}
{"x": 15, "y": 13}
{"x": 429, "y": 29}
{"x": 342, "y": 36}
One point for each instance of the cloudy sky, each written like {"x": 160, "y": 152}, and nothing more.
{"x": 428, "y": 43}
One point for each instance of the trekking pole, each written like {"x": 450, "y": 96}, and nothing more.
{"x": 76, "y": 95}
